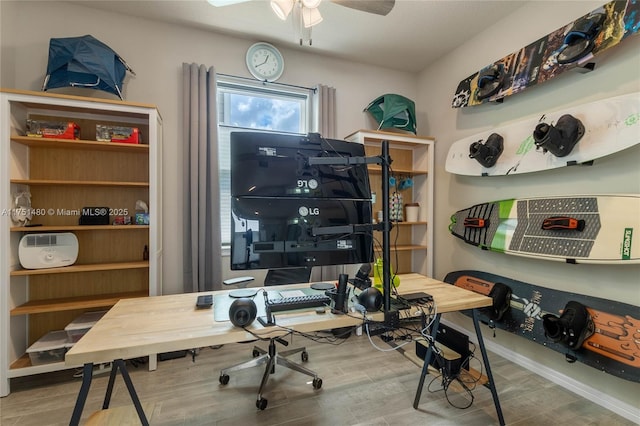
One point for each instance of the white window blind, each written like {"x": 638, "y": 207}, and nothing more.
{"x": 253, "y": 106}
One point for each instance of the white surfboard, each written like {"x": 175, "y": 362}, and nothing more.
{"x": 611, "y": 125}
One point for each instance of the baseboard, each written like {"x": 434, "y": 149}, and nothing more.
{"x": 629, "y": 412}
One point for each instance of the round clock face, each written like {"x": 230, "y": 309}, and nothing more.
{"x": 265, "y": 62}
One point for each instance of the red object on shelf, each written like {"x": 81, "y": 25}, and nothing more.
{"x": 53, "y": 130}
{"x": 120, "y": 134}
{"x": 134, "y": 137}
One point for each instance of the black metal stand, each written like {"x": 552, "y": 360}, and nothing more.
{"x": 87, "y": 376}
{"x": 386, "y": 231}
{"x": 425, "y": 368}
{"x": 384, "y": 160}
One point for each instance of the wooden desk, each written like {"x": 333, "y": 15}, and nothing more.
{"x": 150, "y": 325}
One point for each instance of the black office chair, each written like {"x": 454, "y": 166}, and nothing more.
{"x": 270, "y": 356}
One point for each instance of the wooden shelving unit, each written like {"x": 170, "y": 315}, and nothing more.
{"x": 413, "y": 157}
{"x": 45, "y": 182}
{"x": 77, "y": 228}
{"x": 64, "y": 176}
{"x": 72, "y": 303}
{"x": 81, "y": 268}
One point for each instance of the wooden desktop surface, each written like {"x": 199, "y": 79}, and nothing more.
{"x": 149, "y": 325}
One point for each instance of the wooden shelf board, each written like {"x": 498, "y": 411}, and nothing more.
{"x": 78, "y": 228}
{"x": 79, "y": 144}
{"x": 73, "y": 303}
{"x": 23, "y": 362}
{"x": 376, "y": 136}
{"x": 468, "y": 375}
{"x": 407, "y": 247}
{"x": 38, "y": 95}
{"x": 125, "y": 414}
{"x": 48, "y": 182}
{"x": 83, "y": 268}
{"x": 396, "y": 171}
{"x": 23, "y": 367}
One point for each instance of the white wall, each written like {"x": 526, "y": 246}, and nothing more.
{"x": 617, "y": 74}
{"x": 156, "y": 52}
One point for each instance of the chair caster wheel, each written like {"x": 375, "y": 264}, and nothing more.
{"x": 261, "y": 403}
{"x": 317, "y": 383}
{"x": 304, "y": 356}
{"x": 256, "y": 353}
{"x": 224, "y": 379}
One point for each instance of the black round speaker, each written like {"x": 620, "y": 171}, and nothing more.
{"x": 371, "y": 299}
{"x": 242, "y": 312}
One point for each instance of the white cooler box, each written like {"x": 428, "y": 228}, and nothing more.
{"x": 49, "y": 348}
{"x": 79, "y": 326}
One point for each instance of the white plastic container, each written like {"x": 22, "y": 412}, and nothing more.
{"x": 49, "y": 348}
{"x": 79, "y": 326}
{"x": 412, "y": 212}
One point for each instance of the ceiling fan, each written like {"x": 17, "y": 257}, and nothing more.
{"x": 305, "y": 13}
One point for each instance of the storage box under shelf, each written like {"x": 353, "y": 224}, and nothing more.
{"x": 49, "y": 348}
{"x": 79, "y": 326}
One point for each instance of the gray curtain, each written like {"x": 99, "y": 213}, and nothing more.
{"x": 202, "y": 245}
{"x": 325, "y": 107}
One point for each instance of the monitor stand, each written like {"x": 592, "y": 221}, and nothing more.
{"x": 323, "y": 286}
{"x": 243, "y": 292}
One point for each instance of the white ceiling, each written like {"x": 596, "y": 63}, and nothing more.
{"x": 414, "y": 34}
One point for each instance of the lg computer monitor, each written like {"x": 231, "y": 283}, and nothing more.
{"x": 288, "y": 213}
{"x": 277, "y": 165}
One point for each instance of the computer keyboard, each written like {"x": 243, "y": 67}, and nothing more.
{"x": 298, "y": 302}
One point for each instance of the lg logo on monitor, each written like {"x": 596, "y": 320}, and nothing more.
{"x": 311, "y": 183}
{"x": 308, "y": 211}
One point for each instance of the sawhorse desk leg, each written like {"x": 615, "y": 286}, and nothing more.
{"x": 427, "y": 360}
{"x": 485, "y": 360}
{"x": 87, "y": 376}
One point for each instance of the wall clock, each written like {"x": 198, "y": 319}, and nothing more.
{"x": 265, "y": 62}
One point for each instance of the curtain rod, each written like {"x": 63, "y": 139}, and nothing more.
{"x": 265, "y": 82}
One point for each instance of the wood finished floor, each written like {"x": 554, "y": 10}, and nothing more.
{"x": 361, "y": 386}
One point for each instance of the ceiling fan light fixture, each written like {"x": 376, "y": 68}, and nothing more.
{"x": 311, "y": 17}
{"x": 311, "y": 4}
{"x": 282, "y": 8}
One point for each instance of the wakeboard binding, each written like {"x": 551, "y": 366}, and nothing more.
{"x": 500, "y": 295}
{"x": 491, "y": 80}
{"x": 580, "y": 40}
{"x": 559, "y": 139}
{"x": 487, "y": 153}
{"x": 571, "y": 328}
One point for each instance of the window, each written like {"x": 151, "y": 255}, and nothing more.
{"x": 253, "y": 106}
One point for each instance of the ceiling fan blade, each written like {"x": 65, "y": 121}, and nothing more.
{"x": 220, "y": 3}
{"x": 378, "y": 7}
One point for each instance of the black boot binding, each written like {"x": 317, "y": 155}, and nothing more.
{"x": 561, "y": 138}
{"x": 491, "y": 80}
{"x": 487, "y": 154}
{"x": 580, "y": 41}
{"x": 571, "y": 328}
{"x": 501, "y": 296}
